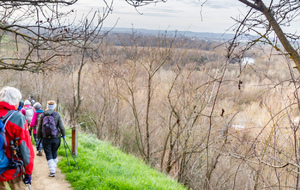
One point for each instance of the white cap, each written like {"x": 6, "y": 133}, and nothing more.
{"x": 51, "y": 105}
{"x": 27, "y": 102}
{"x": 10, "y": 95}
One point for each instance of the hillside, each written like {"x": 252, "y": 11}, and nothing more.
{"x": 180, "y": 105}
{"x": 103, "y": 166}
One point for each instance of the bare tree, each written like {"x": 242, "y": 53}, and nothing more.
{"x": 265, "y": 20}
{"x": 36, "y": 2}
{"x": 34, "y": 34}
{"x": 138, "y": 3}
{"x": 143, "y": 59}
{"x": 87, "y": 47}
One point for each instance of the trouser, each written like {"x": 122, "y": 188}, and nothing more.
{"x": 14, "y": 184}
{"x": 30, "y": 132}
{"x": 34, "y": 136}
{"x": 51, "y": 146}
{"x": 39, "y": 146}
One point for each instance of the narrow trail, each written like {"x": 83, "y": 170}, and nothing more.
{"x": 40, "y": 179}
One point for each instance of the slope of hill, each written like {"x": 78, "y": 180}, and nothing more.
{"x": 103, "y": 166}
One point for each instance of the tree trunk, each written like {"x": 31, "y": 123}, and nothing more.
{"x": 281, "y": 35}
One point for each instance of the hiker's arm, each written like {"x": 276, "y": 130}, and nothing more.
{"x": 39, "y": 128}
{"x": 33, "y": 121}
{"x": 26, "y": 149}
{"x": 61, "y": 126}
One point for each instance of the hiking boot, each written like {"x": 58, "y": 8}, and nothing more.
{"x": 51, "y": 175}
{"x": 39, "y": 153}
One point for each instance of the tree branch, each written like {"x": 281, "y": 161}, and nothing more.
{"x": 251, "y": 5}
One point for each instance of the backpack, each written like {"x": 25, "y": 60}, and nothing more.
{"x": 28, "y": 114}
{"x": 48, "y": 126}
{"x": 4, "y": 161}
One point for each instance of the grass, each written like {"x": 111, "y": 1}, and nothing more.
{"x": 105, "y": 167}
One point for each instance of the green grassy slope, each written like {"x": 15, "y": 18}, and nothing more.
{"x": 103, "y": 166}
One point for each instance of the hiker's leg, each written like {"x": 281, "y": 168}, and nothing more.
{"x": 37, "y": 144}
{"x": 41, "y": 146}
{"x": 47, "y": 148}
{"x": 52, "y": 166}
{"x": 30, "y": 132}
{"x": 55, "y": 146}
{"x": 16, "y": 184}
{"x": 2, "y": 185}
{"x": 35, "y": 140}
{"x": 55, "y": 161}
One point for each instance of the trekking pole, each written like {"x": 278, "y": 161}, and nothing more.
{"x": 71, "y": 152}
{"x": 67, "y": 157}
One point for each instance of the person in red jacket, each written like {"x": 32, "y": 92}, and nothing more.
{"x": 16, "y": 129}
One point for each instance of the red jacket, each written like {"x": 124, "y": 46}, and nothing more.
{"x": 17, "y": 126}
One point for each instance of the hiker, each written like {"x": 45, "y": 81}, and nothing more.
{"x": 18, "y": 147}
{"x": 50, "y": 129}
{"x": 21, "y": 104}
{"x": 28, "y": 111}
{"x": 34, "y": 122}
{"x": 32, "y": 101}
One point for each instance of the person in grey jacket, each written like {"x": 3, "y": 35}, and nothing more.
{"x": 51, "y": 143}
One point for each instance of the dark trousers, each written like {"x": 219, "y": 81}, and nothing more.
{"x": 39, "y": 146}
{"x": 30, "y": 132}
{"x": 51, "y": 146}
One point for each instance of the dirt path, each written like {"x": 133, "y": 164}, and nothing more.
{"x": 40, "y": 179}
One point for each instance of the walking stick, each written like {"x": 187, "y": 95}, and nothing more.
{"x": 71, "y": 152}
{"x": 67, "y": 156}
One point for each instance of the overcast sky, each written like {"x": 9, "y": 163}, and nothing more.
{"x": 183, "y": 15}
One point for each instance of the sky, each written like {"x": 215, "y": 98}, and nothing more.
{"x": 182, "y": 15}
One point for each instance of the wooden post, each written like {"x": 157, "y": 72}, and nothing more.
{"x": 75, "y": 140}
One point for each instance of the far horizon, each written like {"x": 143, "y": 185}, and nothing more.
{"x": 199, "y": 35}
{"x": 185, "y": 15}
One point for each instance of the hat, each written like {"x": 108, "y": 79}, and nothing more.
{"x": 21, "y": 104}
{"x": 32, "y": 102}
{"x": 51, "y": 105}
{"x": 10, "y": 95}
{"x": 37, "y": 106}
{"x": 27, "y": 102}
